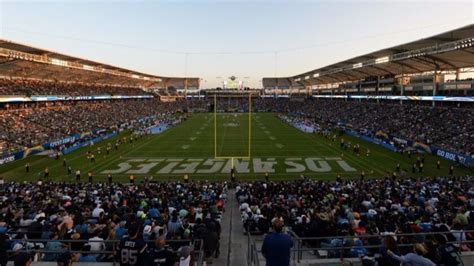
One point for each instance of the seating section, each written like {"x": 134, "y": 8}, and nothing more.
{"x": 41, "y": 87}
{"x": 89, "y": 220}
{"x": 362, "y": 218}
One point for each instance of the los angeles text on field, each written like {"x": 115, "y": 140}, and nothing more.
{"x": 161, "y": 166}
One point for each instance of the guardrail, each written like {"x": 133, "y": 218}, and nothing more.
{"x": 301, "y": 244}
{"x": 197, "y": 247}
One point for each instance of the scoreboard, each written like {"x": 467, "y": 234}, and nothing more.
{"x": 233, "y": 83}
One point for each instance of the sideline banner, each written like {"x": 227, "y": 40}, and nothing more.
{"x": 452, "y": 156}
{"x": 88, "y": 142}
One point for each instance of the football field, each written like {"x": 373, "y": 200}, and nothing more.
{"x": 207, "y": 146}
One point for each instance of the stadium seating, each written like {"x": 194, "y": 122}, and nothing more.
{"x": 359, "y": 218}
{"x": 448, "y": 128}
{"x": 38, "y": 124}
{"x": 42, "y": 87}
{"x": 54, "y": 219}
{"x": 336, "y": 216}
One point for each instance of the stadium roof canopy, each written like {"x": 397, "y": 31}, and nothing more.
{"x": 24, "y": 61}
{"x": 451, "y": 50}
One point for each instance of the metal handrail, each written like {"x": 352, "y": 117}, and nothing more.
{"x": 299, "y": 247}
{"x": 373, "y": 236}
{"x": 199, "y": 253}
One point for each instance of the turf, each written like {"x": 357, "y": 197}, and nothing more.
{"x": 190, "y": 148}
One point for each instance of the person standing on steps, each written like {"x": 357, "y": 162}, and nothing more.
{"x": 276, "y": 247}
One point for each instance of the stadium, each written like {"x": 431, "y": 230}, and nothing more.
{"x": 366, "y": 160}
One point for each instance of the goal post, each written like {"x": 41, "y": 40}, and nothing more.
{"x": 225, "y": 118}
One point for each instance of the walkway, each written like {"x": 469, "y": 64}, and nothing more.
{"x": 233, "y": 241}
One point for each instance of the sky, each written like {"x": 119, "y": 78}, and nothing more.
{"x": 216, "y": 39}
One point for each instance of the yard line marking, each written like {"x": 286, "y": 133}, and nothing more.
{"x": 272, "y": 138}
{"x": 192, "y": 138}
{"x": 279, "y": 145}
{"x": 185, "y": 147}
{"x": 266, "y": 132}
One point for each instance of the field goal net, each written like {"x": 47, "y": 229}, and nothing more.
{"x": 232, "y": 126}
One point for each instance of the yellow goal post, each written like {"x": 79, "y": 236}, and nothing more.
{"x": 249, "y": 152}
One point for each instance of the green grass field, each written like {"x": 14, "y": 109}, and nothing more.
{"x": 190, "y": 148}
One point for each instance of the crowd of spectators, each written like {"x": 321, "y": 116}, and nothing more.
{"x": 27, "y": 127}
{"x": 28, "y": 87}
{"x": 355, "y": 218}
{"x": 165, "y": 221}
{"x": 346, "y": 212}
{"x": 449, "y": 128}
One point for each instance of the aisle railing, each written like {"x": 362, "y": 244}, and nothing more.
{"x": 318, "y": 245}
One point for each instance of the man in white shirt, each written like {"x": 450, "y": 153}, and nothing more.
{"x": 97, "y": 211}
{"x": 96, "y": 243}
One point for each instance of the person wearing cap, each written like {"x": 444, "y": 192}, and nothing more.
{"x": 276, "y": 246}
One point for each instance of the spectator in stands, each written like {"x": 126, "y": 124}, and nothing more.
{"x": 86, "y": 256}
{"x": 19, "y": 256}
{"x": 277, "y": 245}
{"x": 415, "y": 258}
{"x": 162, "y": 255}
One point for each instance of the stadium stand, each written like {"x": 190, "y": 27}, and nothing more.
{"x": 30, "y": 126}
{"x": 41, "y": 87}
{"x": 328, "y": 219}
{"x": 337, "y": 219}
{"x": 89, "y": 221}
{"x": 450, "y": 128}
{"x": 389, "y": 71}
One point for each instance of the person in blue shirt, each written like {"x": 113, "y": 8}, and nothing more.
{"x": 52, "y": 245}
{"x": 120, "y": 230}
{"x": 413, "y": 259}
{"x": 86, "y": 256}
{"x": 276, "y": 247}
{"x": 153, "y": 212}
{"x": 358, "y": 249}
